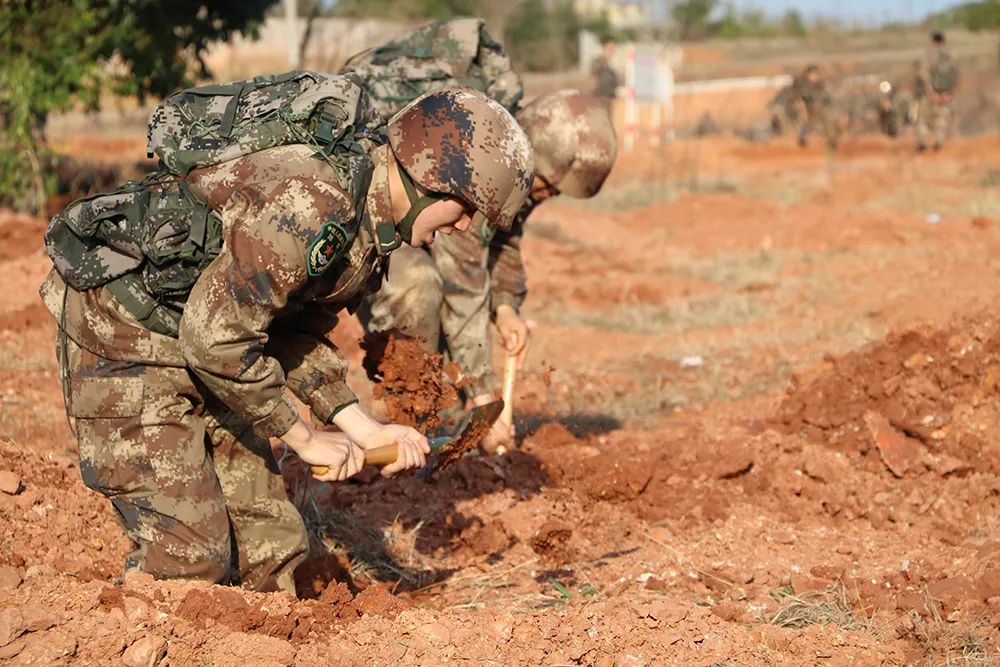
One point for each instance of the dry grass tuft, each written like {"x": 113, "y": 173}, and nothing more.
{"x": 947, "y": 644}
{"x": 829, "y": 607}
{"x": 374, "y": 554}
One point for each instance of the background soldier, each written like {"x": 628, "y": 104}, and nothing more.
{"x": 810, "y": 88}
{"x": 918, "y": 92}
{"x": 784, "y": 108}
{"x": 888, "y": 109}
{"x": 173, "y": 417}
{"x": 941, "y": 79}
{"x": 449, "y": 294}
{"x": 605, "y": 78}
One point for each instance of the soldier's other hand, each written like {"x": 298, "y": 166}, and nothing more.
{"x": 500, "y": 434}
{"x": 412, "y": 445}
{"x": 513, "y": 332}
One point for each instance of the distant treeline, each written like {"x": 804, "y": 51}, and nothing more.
{"x": 974, "y": 16}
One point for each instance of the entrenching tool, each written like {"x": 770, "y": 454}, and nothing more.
{"x": 471, "y": 430}
{"x": 507, "y": 416}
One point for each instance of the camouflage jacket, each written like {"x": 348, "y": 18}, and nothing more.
{"x": 488, "y": 272}
{"x": 436, "y": 55}
{"x": 942, "y": 73}
{"x": 815, "y": 96}
{"x": 256, "y": 320}
{"x": 508, "y": 280}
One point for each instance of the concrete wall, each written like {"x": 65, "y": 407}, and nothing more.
{"x": 331, "y": 42}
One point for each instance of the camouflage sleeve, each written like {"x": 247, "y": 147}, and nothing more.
{"x": 314, "y": 369}
{"x": 225, "y": 328}
{"x": 508, "y": 280}
{"x": 504, "y": 85}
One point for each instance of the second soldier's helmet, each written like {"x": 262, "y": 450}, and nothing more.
{"x": 573, "y": 140}
{"x": 458, "y": 142}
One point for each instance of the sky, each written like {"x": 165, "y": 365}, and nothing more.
{"x": 865, "y": 12}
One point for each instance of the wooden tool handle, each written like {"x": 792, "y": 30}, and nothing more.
{"x": 377, "y": 456}
{"x": 509, "y": 373}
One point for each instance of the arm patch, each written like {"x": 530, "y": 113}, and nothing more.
{"x": 326, "y": 248}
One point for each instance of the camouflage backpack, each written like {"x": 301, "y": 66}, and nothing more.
{"x": 454, "y": 52}
{"x": 150, "y": 240}
{"x": 944, "y": 73}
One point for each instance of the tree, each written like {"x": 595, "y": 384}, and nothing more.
{"x": 543, "y": 35}
{"x": 975, "y": 16}
{"x": 410, "y": 9}
{"x": 792, "y": 24}
{"x": 730, "y": 26}
{"x": 56, "y": 54}
{"x": 692, "y": 17}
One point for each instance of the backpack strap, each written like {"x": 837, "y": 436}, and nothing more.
{"x": 154, "y": 315}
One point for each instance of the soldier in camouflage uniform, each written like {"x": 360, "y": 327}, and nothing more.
{"x": 175, "y": 429}
{"x": 448, "y": 294}
{"x": 784, "y": 108}
{"x": 938, "y": 88}
{"x": 811, "y": 90}
{"x": 605, "y": 77}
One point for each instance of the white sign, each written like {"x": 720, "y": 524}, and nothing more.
{"x": 654, "y": 77}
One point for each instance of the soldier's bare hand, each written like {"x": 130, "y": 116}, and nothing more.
{"x": 513, "y": 332}
{"x": 411, "y": 456}
{"x": 500, "y": 434}
{"x": 412, "y": 445}
{"x": 336, "y": 452}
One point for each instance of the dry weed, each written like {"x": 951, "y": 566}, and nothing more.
{"x": 947, "y": 644}
{"x": 828, "y": 607}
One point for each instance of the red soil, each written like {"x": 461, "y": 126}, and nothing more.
{"x": 677, "y": 496}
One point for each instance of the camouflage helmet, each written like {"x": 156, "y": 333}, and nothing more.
{"x": 458, "y": 142}
{"x": 573, "y": 140}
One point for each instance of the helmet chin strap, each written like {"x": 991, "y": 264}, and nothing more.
{"x": 417, "y": 204}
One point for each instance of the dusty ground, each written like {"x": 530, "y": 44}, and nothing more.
{"x": 759, "y": 429}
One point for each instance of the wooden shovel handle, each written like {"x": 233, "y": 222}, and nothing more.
{"x": 509, "y": 374}
{"x": 376, "y": 456}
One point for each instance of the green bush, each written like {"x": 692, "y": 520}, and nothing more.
{"x": 975, "y": 16}
{"x": 542, "y": 36}
{"x": 410, "y": 10}
{"x": 57, "y": 54}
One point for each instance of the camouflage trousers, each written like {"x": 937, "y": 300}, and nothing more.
{"x": 823, "y": 121}
{"x": 933, "y": 122}
{"x": 441, "y": 295}
{"x": 195, "y": 489}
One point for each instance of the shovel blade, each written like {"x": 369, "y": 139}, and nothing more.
{"x": 472, "y": 429}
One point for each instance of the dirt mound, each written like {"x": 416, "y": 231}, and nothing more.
{"x": 20, "y": 235}
{"x": 925, "y": 399}
{"x": 25, "y": 318}
{"x": 52, "y": 616}
{"x": 415, "y": 384}
{"x": 50, "y": 508}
